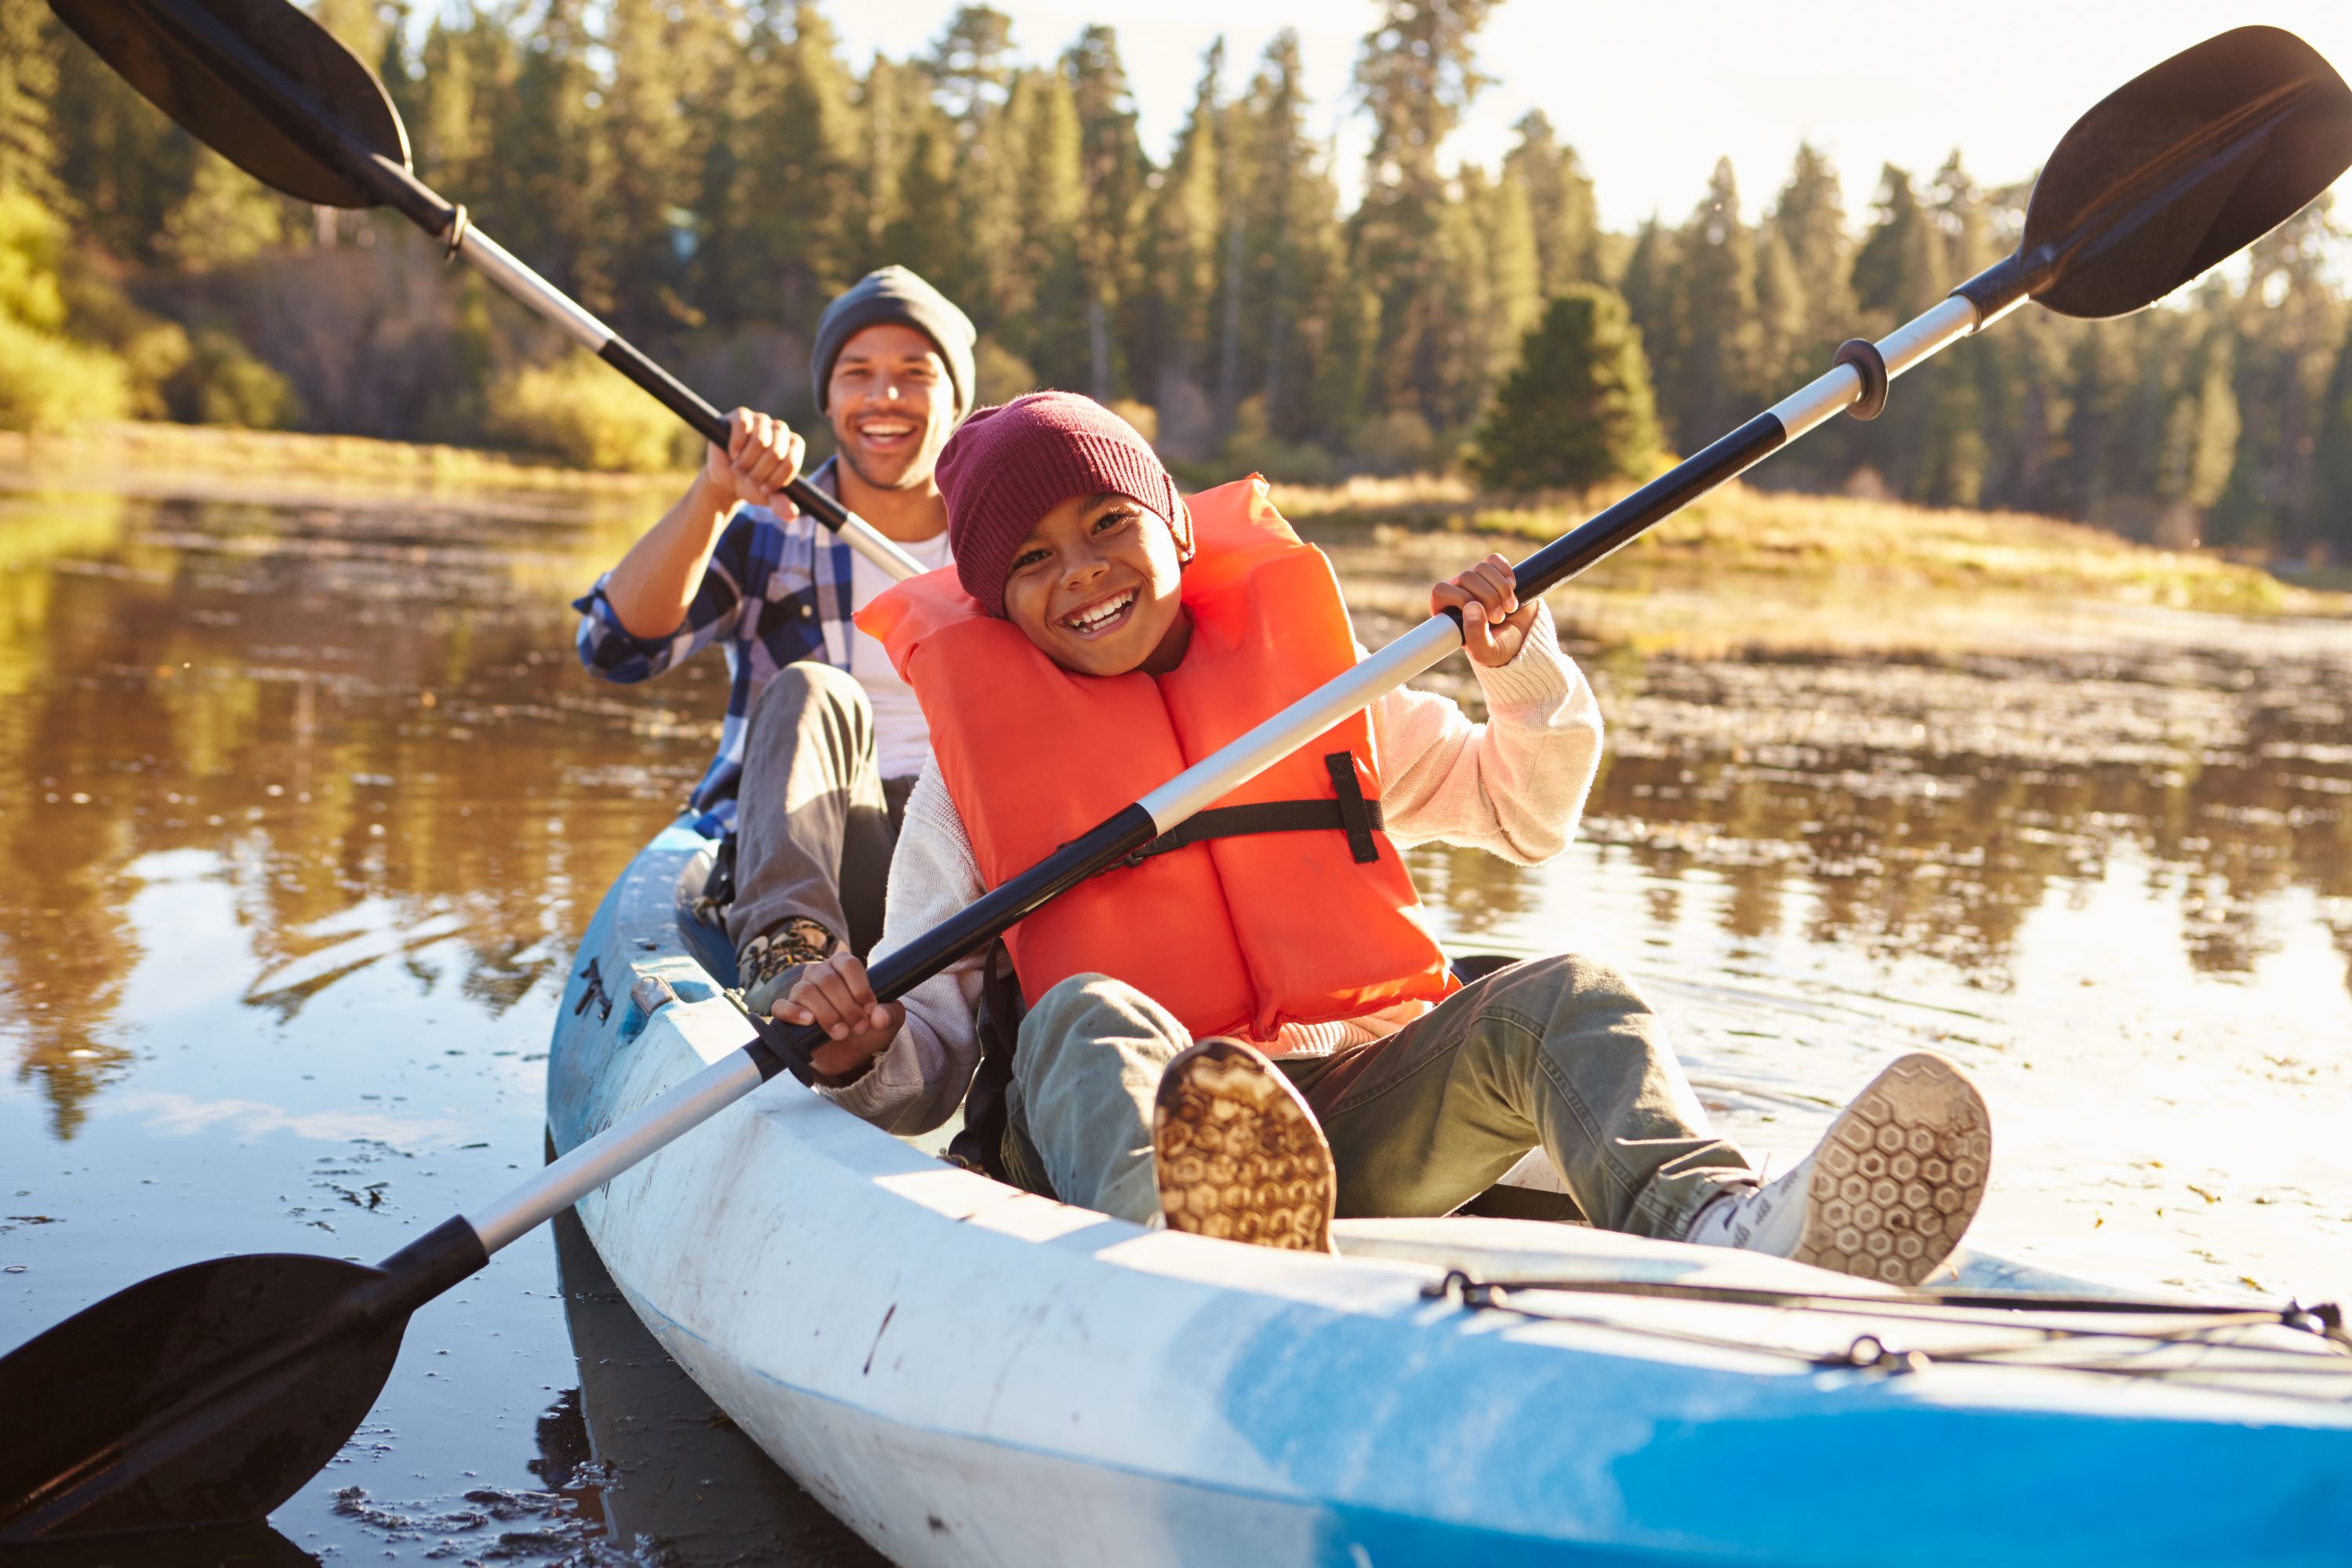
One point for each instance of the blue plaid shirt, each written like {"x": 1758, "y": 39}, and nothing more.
{"x": 777, "y": 589}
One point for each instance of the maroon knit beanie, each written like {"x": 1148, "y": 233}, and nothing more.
{"x": 1006, "y": 467}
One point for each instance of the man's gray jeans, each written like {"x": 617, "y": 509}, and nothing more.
{"x": 1561, "y": 1053}
{"x": 815, "y": 819}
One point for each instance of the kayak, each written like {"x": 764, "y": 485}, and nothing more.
{"x": 967, "y": 1373}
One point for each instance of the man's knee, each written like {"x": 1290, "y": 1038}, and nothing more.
{"x": 801, "y": 685}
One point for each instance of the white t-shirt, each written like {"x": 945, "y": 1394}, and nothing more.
{"x": 900, "y": 736}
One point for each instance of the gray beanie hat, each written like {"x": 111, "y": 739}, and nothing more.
{"x": 894, "y": 294}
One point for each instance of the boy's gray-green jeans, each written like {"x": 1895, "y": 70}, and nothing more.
{"x": 1561, "y": 1053}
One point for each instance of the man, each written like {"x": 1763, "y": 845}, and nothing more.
{"x": 821, "y": 741}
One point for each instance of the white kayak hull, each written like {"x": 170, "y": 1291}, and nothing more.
{"x": 967, "y": 1373}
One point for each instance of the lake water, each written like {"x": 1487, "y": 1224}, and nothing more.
{"x": 303, "y": 801}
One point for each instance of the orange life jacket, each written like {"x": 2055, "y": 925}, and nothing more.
{"x": 1239, "y": 935}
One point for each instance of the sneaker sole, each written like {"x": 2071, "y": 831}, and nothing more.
{"x": 1237, "y": 1153}
{"x": 1900, "y": 1175}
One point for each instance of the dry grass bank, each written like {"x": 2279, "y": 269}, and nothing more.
{"x": 1753, "y": 532}
{"x": 271, "y": 458}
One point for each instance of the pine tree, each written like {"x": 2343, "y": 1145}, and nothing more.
{"x": 226, "y": 216}
{"x": 1810, "y": 218}
{"x": 2332, "y": 464}
{"x": 1577, "y": 411}
{"x": 1901, "y": 269}
{"x": 2200, "y": 440}
{"x": 1113, "y": 172}
{"x": 1186, "y": 226}
{"x": 548, "y": 179}
{"x": 1417, "y": 73}
{"x": 1042, "y": 294}
{"x": 124, "y": 166}
{"x": 1955, "y": 456}
{"x": 643, "y": 131}
{"x": 802, "y": 197}
{"x": 1717, "y": 373}
{"x": 1560, "y": 207}
{"x": 1650, "y": 287}
{"x": 1294, "y": 282}
{"x": 1784, "y": 357}
{"x": 971, "y": 64}
{"x": 890, "y": 101}
{"x": 926, "y": 232}
{"x": 1515, "y": 294}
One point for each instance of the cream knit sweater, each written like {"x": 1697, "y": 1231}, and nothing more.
{"x": 1515, "y": 785}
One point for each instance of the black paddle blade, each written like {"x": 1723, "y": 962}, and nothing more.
{"x": 207, "y": 1396}
{"x": 259, "y": 81}
{"x": 2182, "y": 166}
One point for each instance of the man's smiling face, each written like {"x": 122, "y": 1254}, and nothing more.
{"x": 891, "y": 405}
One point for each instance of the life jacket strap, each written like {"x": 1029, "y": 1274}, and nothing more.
{"x": 1351, "y": 814}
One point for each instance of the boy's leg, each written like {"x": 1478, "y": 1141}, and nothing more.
{"x": 811, "y": 815}
{"x": 1090, "y": 1060}
{"x": 1560, "y": 1052}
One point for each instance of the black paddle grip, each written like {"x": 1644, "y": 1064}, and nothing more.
{"x": 1617, "y": 526}
{"x": 428, "y": 1266}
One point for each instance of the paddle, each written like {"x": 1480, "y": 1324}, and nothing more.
{"x": 277, "y": 95}
{"x": 214, "y": 1391}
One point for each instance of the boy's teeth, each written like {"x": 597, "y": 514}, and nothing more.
{"x": 1094, "y": 619}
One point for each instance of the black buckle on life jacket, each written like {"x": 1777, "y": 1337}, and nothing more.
{"x": 1352, "y": 814}
{"x": 1356, "y": 813}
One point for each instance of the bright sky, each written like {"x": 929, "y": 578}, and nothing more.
{"x": 1651, "y": 95}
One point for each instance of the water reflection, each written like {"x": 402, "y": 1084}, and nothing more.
{"x": 370, "y": 719}
{"x": 1935, "y": 808}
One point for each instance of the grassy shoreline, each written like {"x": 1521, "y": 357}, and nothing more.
{"x": 1736, "y": 532}
{"x": 279, "y": 457}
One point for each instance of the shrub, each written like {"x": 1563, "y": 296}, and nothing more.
{"x": 47, "y": 382}
{"x": 1142, "y": 416}
{"x": 998, "y": 374}
{"x": 221, "y": 383}
{"x": 151, "y": 355}
{"x": 1577, "y": 411}
{"x": 580, "y": 410}
{"x": 31, "y": 241}
{"x": 1400, "y": 442}
{"x": 1251, "y": 448}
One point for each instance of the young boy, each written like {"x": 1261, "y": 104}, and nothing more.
{"x": 1106, "y": 634}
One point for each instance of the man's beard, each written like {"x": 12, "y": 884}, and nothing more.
{"x": 912, "y": 477}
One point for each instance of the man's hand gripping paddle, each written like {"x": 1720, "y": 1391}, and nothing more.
{"x": 214, "y": 1391}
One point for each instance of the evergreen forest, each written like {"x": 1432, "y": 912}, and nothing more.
{"x": 706, "y": 174}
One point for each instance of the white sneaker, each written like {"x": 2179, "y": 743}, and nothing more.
{"x": 1886, "y": 1194}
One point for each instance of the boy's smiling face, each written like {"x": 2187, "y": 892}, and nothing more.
{"x": 1095, "y": 585}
